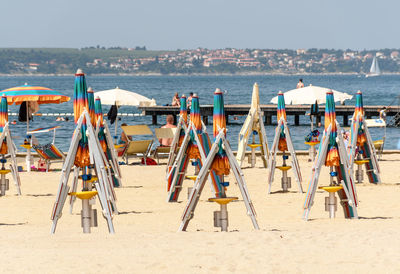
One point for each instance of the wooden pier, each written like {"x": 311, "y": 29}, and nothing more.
{"x": 269, "y": 111}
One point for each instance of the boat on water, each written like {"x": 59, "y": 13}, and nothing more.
{"x": 374, "y": 70}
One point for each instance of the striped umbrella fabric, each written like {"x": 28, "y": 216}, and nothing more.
{"x": 358, "y": 118}
{"x": 41, "y": 95}
{"x": 193, "y": 150}
{"x": 99, "y": 116}
{"x": 3, "y": 121}
{"x": 281, "y": 114}
{"x": 332, "y": 157}
{"x": 220, "y": 164}
{"x": 82, "y": 158}
{"x": 91, "y": 109}
{"x": 195, "y": 114}
{"x": 183, "y": 114}
{"x": 183, "y": 108}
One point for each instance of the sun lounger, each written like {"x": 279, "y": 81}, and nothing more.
{"x": 48, "y": 152}
{"x": 137, "y": 148}
{"x": 163, "y": 133}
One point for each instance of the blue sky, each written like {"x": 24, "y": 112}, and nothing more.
{"x": 184, "y": 24}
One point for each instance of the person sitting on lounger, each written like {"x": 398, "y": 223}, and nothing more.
{"x": 170, "y": 124}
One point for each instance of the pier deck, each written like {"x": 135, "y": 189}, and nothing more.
{"x": 269, "y": 111}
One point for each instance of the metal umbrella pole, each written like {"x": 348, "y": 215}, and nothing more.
{"x": 116, "y": 126}
{"x": 28, "y": 159}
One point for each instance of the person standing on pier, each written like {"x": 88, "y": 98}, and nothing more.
{"x": 300, "y": 84}
{"x": 382, "y": 113}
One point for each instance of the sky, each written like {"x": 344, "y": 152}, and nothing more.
{"x": 189, "y": 24}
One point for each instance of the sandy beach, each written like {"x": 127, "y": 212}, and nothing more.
{"x": 146, "y": 238}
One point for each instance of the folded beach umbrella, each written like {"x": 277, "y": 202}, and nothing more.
{"x": 220, "y": 163}
{"x": 82, "y": 158}
{"x": 361, "y": 146}
{"x": 91, "y": 110}
{"x": 358, "y": 118}
{"x": 183, "y": 114}
{"x": 3, "y": 121}
{"x": 332, "y": 157}
{"x": 281, "y": 114}
{"x": 99, "y": 116}
{"x": 183, "y": 108}
{"x": 195, "y": 119}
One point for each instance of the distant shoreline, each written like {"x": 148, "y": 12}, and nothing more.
{"x": 186, "y": 74}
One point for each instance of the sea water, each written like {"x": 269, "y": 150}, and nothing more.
{"x": 382, "y": 90}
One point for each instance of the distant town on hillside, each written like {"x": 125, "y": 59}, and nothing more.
{"x": 139, "y": 60}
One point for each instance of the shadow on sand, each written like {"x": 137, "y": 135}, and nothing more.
{"x": 1, "y": 224}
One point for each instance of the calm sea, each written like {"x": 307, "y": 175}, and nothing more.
{"x": 381, "y": 90}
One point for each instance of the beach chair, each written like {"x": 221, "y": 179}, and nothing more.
{"x": 137, "y": 148}
{"x": 160, "y": 134}
{"x": 379, "y": 144}
{"x": 49, "y": 153}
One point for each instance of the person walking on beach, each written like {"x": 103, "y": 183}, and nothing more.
{"x": 300, "y": 84}
{"x": 169, "y": 124}
{"x": 175, "y": 100}
{"x": 189, "y": 100}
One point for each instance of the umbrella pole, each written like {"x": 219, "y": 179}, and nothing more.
{"x": 116, "y": 127}
{"x": 28, "y": 154}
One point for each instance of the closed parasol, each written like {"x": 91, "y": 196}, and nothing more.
{"x": 183, "y": 108}
{"x": 100, "y": 122}
{"x": 3, "y": 122}
{"x": 358, "y": 118}
{"x": 281, "y": 114}
{"x": 82, "y": 158}
{"x": 193, "y": 150}
{"x": 91, "y": 110}
{"x": 332, "y": 157}
{"x": 220, "y": 163}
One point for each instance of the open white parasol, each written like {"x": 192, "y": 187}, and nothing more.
{"x": 308, "y": 96}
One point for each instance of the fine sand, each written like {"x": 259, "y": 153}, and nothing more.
{"x": 146, "y": 238}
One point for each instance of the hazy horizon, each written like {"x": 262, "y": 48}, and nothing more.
{"x": 212, "y": 24}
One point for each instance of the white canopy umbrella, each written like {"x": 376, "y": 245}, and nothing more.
{"x": 121, "y": 97}
{"x": 308, "y": 96}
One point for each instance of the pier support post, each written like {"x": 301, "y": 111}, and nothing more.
{"x": 345, "y": 120}
{"x": 154, "y": 120}
{"x": 296, "y": 120}
{"x": 268, "y": 119}
{"x": 175, "y": 121}
{"x": 205, "y": 120}
{"x": 227, "y": 118}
